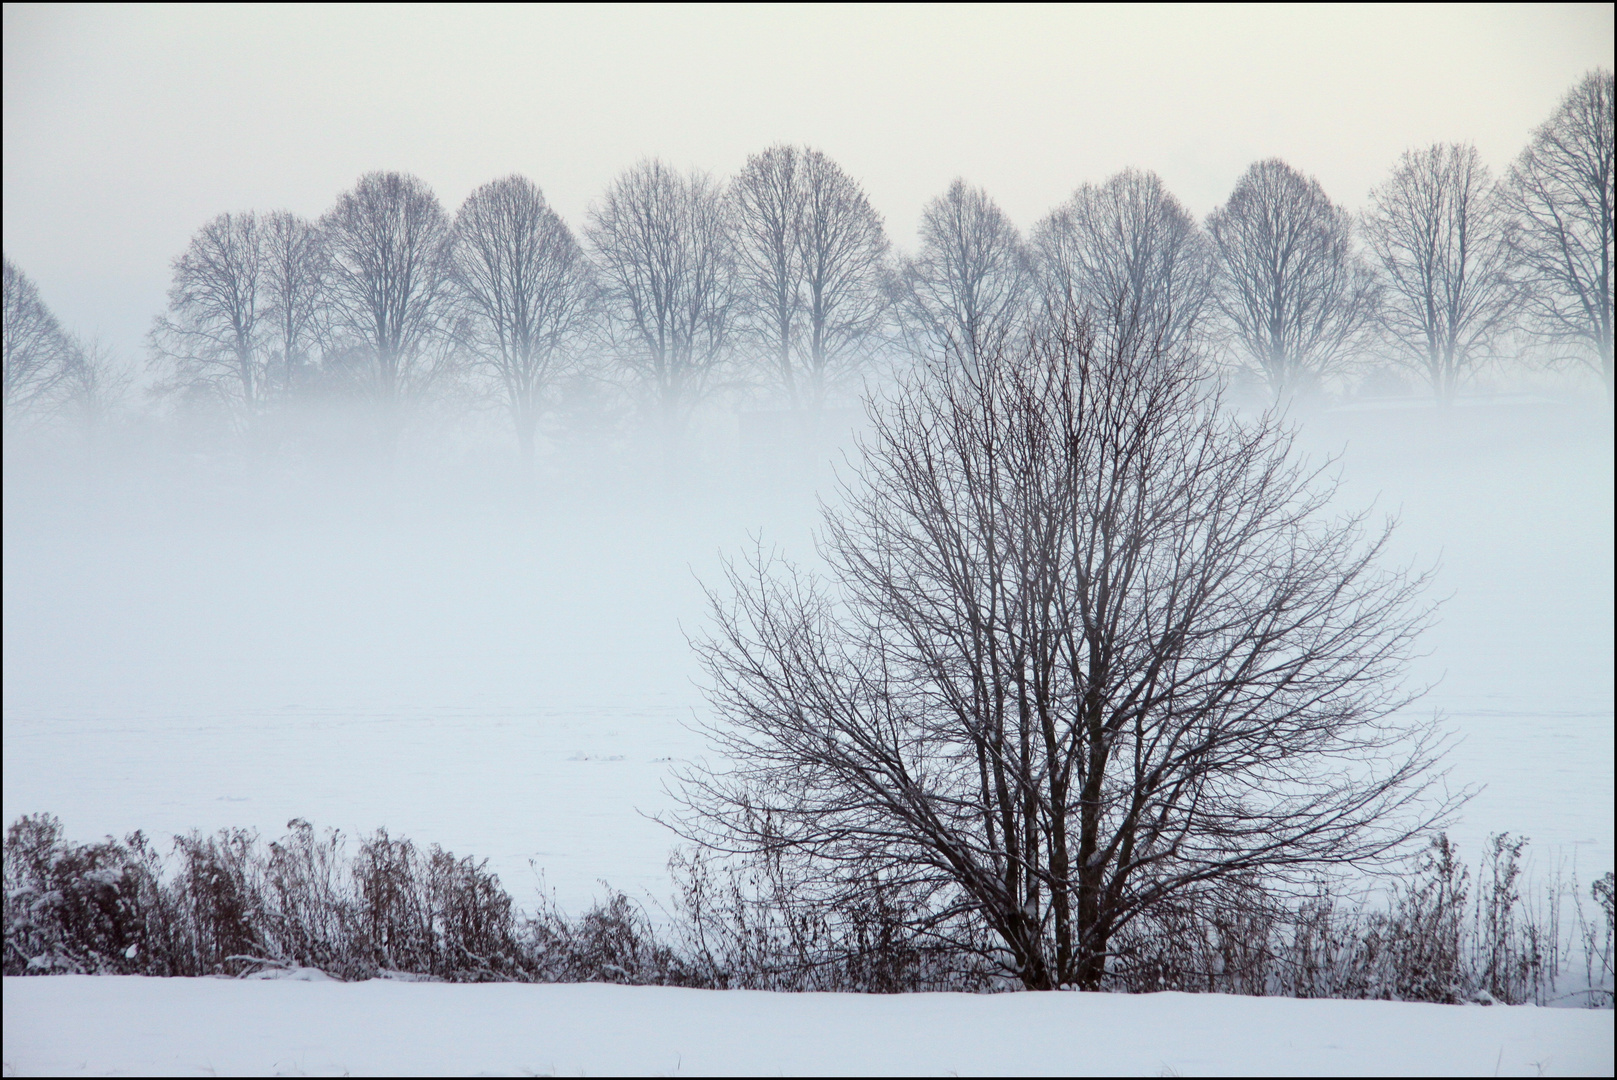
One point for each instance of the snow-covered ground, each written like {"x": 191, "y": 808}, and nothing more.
{"x": 76, "y": 1025}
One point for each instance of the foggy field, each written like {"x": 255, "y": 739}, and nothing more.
{"x": 190, "y": 647}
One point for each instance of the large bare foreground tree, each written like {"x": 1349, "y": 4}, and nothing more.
{"x": 1089, "y": 648}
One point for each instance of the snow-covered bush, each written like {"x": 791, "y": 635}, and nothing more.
{"x": 1427, "y": 939}
{"x": 74, "y": 908}
{"x": 614, "y": 941}
{"x": 1597, "y": 939}
{"x": 751, "y": 923}
{"x": 231, "y": 903}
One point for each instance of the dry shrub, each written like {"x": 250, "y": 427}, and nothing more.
{"x": 756, "y": 923}
{"x": 1430, "y": 938}
{"x": 232, "y": 904}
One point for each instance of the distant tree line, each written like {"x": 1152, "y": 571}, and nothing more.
{"x": 680, "y": 286}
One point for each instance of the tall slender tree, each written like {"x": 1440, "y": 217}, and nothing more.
{"x": 213, "y": 340}
{"x": 1126, "y": 249}
{"x": 1561, "y": 192}
{"x": 811, "y": 259}
{"x": 967, "y": 289}
{"x": 388, "y": 243}
{"x": 526, "y": 294}
{"x": 1294, "y": 296}
{"x": 664, "y": 256}
{"x": 1438, "y": 231}
{"x": 39, "y": 357}
{"x": 294, "y": 269}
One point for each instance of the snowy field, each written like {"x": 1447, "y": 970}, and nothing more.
{"x": 510, "y": 678}
{"x": 128, "y": 1025}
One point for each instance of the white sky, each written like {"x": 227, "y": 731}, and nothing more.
{"x": 126, "y": 128}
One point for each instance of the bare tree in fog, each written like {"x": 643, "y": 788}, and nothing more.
{"x": 767, "y": 204}
{"x": 294, "y": 272}
{"x": 1092, "y": 646}
{"x": 811, "y": 255}
{"x": 663, "y": 251}
{"x": 526, "y": 291}
{"x": 1126, "y": 247}
{"x": 844, "y": 251}
{"x": 966, "y": 289}
{"x": 1292, "y": 291}
{"x": 1561, "y": 192}
{"x": 39, "y": 357}
{"x": 388, "y": 241}
{"x": 97, "y": 385}
{"x": 212, "y": 341}
{"x": 1437, "y": 227}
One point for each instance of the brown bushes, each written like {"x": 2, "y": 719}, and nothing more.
{"x": 231, "y": 903}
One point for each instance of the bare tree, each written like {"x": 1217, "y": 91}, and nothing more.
{"x": 526, "y": 291}
{"x": 767, "y": 208}
{"x": 1294, "y": 295}
{"x": 811, "y": 257}
{"x": 388, "y": 242}
{"x": 663, "y": 252}
{"x": 1561, "y": 192}
{"x": 97, "y": 385}
{"x": 1127, "y": 248}
{"x": 967, "y": 288}
{"x": 1091, "y": 646}
{"x": 212, "y": 340}
{"x": 844, "y": 252}
{"x": 1438, "y": 230}
{"x": 39, "y": 357}
{"x": 294, "y": 269}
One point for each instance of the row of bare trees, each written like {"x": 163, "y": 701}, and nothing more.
{"x": 785, "y": 277}
{"x": 1448, "y": 268}
{"x": 674, "y": 275}
{"x": 1456, "y": 267}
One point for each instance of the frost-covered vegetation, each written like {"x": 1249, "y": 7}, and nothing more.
{"x": 233, "y": 903}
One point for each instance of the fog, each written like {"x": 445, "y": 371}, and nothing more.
{"x": 195, "y": 641}
{"x": 240, "y": 612}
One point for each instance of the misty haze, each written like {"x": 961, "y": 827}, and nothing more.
{"x": 981, "y": 503}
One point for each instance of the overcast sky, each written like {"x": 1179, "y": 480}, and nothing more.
{"x": 126, "y": 128}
